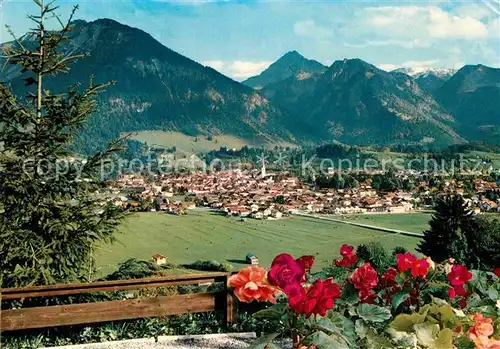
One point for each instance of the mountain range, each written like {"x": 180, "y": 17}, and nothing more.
{"x": 296, "y": 100}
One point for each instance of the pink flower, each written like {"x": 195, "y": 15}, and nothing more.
{"x": 286, "y": 271}
{"x": 306, "y": 261}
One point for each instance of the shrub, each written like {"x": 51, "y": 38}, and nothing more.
{"x": 374, "y": 253}
{"x": 209, "y": 266}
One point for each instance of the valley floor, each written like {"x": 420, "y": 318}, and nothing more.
{"x": 207, "y": 235}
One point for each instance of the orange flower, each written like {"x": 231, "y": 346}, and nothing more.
{"x": 486, "y": 343}
{"x": 493, "y": 344}
{"x": 483, "y": 326}
{"x": 251, "y": 284}
{"x": 481, "y": 330}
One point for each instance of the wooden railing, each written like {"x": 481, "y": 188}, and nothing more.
{"x": 137, "y": 308}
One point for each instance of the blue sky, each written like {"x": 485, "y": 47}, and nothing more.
{"x": 241, "y": 38}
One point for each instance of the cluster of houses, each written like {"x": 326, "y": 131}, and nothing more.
{"x": 260, "y": 195}
{"x": 252, "y": 194}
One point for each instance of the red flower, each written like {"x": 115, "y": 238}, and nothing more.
{"x": 346, "y": 250}
{"x": 457, "y": 291}
{"x": 367, "y": 296}
{"x": 463, "y": 303}
{"x": 364, "y": 277}
{"x": 388, "y": 278}
{"x": 347, "y": 261}
{"x": 452, "y": 293}
{"x": 420, "y": 268}
{"x": 405, "y": 261}
{"x": 286, "y": 271}
{"x": 317, "y": 299}
{"x": 349, "y": 258}
{"x": 497, "y": 272}
{"x": 459, "y": 275}
{"x": 307, "y": 262}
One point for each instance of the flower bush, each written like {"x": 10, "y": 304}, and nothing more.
{"x": 408, "y": 302}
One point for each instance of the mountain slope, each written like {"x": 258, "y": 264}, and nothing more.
{"x": 158, "y": 89}
{"x": 357, "y": 103}
{"x": 291, "y": 64}
{"x": 429, "y": 80}
{"x": 472, "y": 96}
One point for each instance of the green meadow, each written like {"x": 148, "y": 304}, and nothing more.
{"x": 205, "y": 235}
{"x": 411, "y": 222}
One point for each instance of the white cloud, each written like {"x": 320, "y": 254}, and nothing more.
{"x": 217, "y": 65}
{"x": 478, "y": 11}
{"x": 444, "y": 25}
{"x": 387, "y": 66}
{"x": 412, "y": 43}
{"x": 244, "y": 69}
{"x": 310, "y": 29}
{"x": 494, "y": 28}
{"x": 423, "y": 22}
{"x": 238, "y": 70}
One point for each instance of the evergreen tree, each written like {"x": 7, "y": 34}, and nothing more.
{"x": 445, "y": 238}
{"x": 52, "y": 220}
{"x": 483, "y": 243}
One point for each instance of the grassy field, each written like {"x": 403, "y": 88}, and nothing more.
{"x": 191, "y": 145}
{"x": 412, "y": 222}
{"x": 209, "y": 236}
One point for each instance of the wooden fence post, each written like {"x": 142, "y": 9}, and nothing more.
{"x": 227, "y": 302}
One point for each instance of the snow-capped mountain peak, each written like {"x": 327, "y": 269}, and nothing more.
{"x": 424, "y": 72}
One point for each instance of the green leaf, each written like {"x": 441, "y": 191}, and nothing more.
{"x": 399, "y": 299}
{"x": 346, "y": 326}
{"x": 360, "y": 328}
{"x": 326, "y": 325}
{"x": 479, "y": 281}
{"x": 323, "y": 275}
{"x": 274, "y": 312}
{"x": 426, "y": 333}
{"x": 405, "y": 322}
{"x": 444, "y": 339}
{"x": 338, "y": 327}
{"x": 463, "y": 342}
{"x": 373, "y": 313}
{"x": 323, "y": 341}
{"x": 439, "y": 301}
{"x": 350, "y": 298}
{"x": 265, "y": 342}
{"x": 376, "y": 341}
{"x": 493, "y": 294}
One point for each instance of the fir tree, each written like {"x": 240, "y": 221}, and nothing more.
{"x": 446, "y": 236}
{"x": 52, "y": 221}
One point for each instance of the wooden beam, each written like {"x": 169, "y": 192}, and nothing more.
{"x": 110, "y": 288}
{"x": 74, "y": 314}
{"x": 106, "y": 286}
